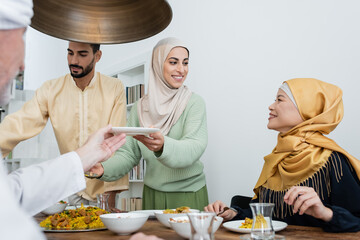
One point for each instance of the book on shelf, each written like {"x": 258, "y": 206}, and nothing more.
{"x": 131, "y": 204}
{"x": 134, "y": 93}
{"x": 138, "y": 172}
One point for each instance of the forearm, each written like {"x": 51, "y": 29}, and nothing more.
{"x": 39, "y": 186}
{"x": 342, "y": 221}
{"x": 28, "y": 122}
{"x": 242, "y": 213}
{"x": 182, "y": 153}
{"x": 121, "y": 162}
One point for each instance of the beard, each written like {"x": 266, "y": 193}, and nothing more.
{"x": 83, "y": 73}
{"x": 5, "y": 93}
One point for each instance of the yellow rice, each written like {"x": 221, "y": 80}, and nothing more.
{"x": 75, "y": 219}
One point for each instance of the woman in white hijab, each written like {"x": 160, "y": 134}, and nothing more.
{"x": 174, "y": 173}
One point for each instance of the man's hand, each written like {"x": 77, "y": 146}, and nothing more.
{"x": 99, "y": 147}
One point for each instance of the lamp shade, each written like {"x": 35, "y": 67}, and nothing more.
{"x": 101, "y": 21}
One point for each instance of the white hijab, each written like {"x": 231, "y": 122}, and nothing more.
{"x": 163, "y": 105}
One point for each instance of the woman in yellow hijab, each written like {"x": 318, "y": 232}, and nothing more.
{"x": 311, "y": 180}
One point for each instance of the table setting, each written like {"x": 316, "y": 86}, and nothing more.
{"x": 193, "y": 224}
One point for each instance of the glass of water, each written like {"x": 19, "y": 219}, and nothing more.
{"x": 262, "y": 227}
{"x": 201, "y": 225}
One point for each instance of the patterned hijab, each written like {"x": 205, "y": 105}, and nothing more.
{"x": 162, "y": 106}
{"x": 302, "y": 152}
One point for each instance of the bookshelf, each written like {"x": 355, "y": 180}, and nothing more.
{"x": 134, "y": 74}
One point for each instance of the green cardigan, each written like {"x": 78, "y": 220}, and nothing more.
{"x": 178, "y": 168}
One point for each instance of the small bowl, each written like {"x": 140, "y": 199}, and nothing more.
{"x": 164, "y": 217}
{"x": 124, "y": 223}
{"x": 181, "y": 225}
{"x": 56, "y": 208}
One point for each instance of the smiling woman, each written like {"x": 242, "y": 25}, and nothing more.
{"x": 174, "y": 173}
{"x": 310, "y": 179}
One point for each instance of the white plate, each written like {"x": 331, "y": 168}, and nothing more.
{"x": 234, "y": 226}
{"x": 151, "y": 213}
{"x": 77, "y": 206}
{"x": 132, "y": 131}
{"x": 164, "y": 217}
{"x": 72, "y": 230}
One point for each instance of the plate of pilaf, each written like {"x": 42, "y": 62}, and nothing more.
{"x": 82, "y": 219}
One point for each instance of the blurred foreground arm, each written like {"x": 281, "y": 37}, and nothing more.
{"x": 141, "y": 236}
{"x": 39, "y": 186}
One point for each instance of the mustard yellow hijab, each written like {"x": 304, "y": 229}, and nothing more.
{"x": 303, "y": 152}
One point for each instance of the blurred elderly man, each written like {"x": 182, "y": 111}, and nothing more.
{"x": 28, "y": 191}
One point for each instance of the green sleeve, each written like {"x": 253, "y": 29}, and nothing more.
{"x": 126, "y": 157}
{"x": 183, "y": 152}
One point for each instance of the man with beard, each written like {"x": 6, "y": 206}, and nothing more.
{"x": 77, "y": 104}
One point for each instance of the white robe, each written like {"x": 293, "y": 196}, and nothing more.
{"x": 29, "y": 190}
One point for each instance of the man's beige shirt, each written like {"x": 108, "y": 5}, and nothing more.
{"x": 74, "y": 114}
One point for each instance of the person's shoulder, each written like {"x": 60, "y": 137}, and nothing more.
{"x": 55, "y": 81}
{"x": 104, "y": 77}
{"x": 337, "y": 156}
{"x": 110, "y": 81}
{"x": 196, "y": 99}
{"x": 339, "y": 159}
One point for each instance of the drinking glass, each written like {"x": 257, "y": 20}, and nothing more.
{"x": 102, "y": 201}
{"x": 262, "y": 227}
{"x": 201, "y": 225}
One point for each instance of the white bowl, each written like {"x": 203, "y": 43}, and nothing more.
{"x": 56, "y": 208}
{"x": 124, "y": 223}
{"x": 164, "y": 217}
{"x": 184, "y": 228}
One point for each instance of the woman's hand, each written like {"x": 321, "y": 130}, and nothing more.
{"x": 306, "y": 200}
{"x": 219, "y": 207}
{"x": 154, "y": 142}
{"x": 97, "y": 169}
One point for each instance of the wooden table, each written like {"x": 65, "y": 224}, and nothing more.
{"x": 153, "y": 227}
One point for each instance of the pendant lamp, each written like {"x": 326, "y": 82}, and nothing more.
{"x": 101, "y": 21}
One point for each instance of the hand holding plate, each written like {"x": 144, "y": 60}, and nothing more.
{"x": 154, "y": 142}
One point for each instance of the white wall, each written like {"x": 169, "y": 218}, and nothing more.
{"x": 240, "y": 53}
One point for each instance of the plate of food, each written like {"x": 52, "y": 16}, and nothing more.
{"x": 244, "y": 226}
{"x": 133, "y": 131}
{"x": 56, "y": 208}
{"x": 82, "y": 219}
{"x": 164, "y": 215}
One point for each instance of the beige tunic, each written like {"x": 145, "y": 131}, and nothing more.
{"x": 74, "y": 115}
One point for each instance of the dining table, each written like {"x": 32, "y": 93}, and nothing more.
{"x": 154, "y": 227}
